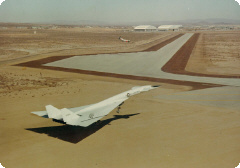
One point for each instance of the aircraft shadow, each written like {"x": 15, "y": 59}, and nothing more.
{"x": 75, "y": 134}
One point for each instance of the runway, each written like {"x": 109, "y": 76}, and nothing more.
{"x": 144, "y": 64}
{"x": 139, "y": 64}
{"x": 223, "y": 97}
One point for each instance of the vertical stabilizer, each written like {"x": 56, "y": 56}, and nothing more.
{"x": 53, "y": 112}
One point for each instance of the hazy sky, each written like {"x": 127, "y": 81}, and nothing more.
{"x": 116, "y": 10}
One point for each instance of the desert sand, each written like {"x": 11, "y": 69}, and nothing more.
{"x": 217, "y": 53}
{"x": 150, "y": 131}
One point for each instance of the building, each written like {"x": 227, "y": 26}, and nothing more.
{"x": 169, "y": 27}
{"x": 145, "y": 28}
{"x": 21, "y": 27}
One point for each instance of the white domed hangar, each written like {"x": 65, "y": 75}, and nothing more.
{"x": 145, "y": 28}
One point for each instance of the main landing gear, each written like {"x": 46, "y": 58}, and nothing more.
{"x": 119, "y": 107}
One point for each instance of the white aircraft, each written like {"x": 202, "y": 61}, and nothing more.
{"x": 124, "y": 40}
{"x": 87, "y": 115}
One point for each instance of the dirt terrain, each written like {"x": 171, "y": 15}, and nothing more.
{"x": 18, "y": 43}
{"x": 216, "y": 53}
{"x": 182, "y": 61}
{"x": 148, "y": 132}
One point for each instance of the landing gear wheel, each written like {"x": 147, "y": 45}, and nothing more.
{"x": 118, "y": 110}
